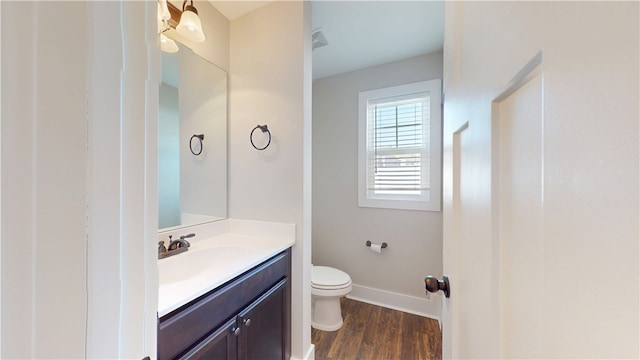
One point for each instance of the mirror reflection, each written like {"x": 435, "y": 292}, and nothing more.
{"x": 192, "y": 141}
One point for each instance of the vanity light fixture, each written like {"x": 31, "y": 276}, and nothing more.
{"x": 190, "y": 26}
{"x": 168, "y": 45}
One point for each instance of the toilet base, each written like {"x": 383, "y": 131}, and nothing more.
{"x": 326, "y": 314}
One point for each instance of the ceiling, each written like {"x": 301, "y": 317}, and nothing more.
{"x": 234, "y": 9}
{"x": 364, "y": 33}
{"x": 368, "y": 33}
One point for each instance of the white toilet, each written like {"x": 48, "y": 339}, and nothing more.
{"x": 327, "y": 286}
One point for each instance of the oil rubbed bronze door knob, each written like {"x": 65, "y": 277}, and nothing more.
{"x": 432, "y": 284}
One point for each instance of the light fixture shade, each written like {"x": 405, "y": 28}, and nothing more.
{"x": 190, "y": 26}
{"x": 167, "y": 45}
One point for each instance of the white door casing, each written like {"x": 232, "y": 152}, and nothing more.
{"x": 79, "y": 221}
{"x": 540, "y": 191}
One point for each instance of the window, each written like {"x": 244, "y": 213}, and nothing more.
{"x": 399, "y": 147}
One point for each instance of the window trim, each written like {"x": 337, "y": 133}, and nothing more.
{"x": 435, "y": 145}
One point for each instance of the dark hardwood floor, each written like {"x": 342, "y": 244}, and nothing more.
{"x": 372, "y": 332}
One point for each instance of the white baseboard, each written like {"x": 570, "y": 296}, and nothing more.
{"x": 311, "y": 354}
{"x": 431, "y": 308}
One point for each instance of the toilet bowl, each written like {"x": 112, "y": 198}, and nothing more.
{"x": 327, "y": 286}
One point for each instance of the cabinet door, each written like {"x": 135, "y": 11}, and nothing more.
{"x": 264, "y": 325}
{"x": 220, "y": 345}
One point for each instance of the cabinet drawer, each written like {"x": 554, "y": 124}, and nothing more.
{"x": 180, "y": 329}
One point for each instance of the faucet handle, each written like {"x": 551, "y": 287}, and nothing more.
{"x": 161, "y": 247}
{"x": 185, "y": 237}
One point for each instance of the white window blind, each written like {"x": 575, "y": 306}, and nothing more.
{"x": 399, "y": 140}
{"x": 398, "y": 146}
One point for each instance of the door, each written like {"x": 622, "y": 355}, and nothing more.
{"x": 264, "y": 326}
{"x": 540, "y": 170}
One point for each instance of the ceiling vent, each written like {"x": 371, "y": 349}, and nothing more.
{"x": 318, "y": 39}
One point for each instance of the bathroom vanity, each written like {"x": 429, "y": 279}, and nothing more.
{"x": 233, "y": 299}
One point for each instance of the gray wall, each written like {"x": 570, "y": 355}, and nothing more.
{"x": 340, "y": 227}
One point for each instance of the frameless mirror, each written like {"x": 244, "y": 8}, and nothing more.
{"x": 192, "y": 141}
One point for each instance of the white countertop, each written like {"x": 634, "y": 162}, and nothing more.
{"x": 234, "y": 247}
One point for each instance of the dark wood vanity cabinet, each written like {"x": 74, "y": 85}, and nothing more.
{"x": 262, "y": 329}
{"x": 221, "y": 344}
{"x": 246, "y": 318}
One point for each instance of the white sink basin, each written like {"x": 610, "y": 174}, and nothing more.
{"x": 196, "y": 263}
{"x": 210, "y": 263}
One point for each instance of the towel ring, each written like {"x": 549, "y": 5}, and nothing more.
{"x": 264, "y": 130}
{"x": 199, "y": 142}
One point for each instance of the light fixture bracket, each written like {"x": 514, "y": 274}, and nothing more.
{"x": 175, "y": 15}
{"x": 190, "y": 8}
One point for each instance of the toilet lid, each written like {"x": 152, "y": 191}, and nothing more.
{"x": 324, "y": 276}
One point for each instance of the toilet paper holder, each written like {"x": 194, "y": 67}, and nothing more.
{"x": 384, "y": 244}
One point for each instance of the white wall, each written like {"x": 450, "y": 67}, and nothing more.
{"x": 270, "y": 71}
{"x": 340, "y": 227}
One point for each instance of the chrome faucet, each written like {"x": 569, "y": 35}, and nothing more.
{"x": 175, "y": 246}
